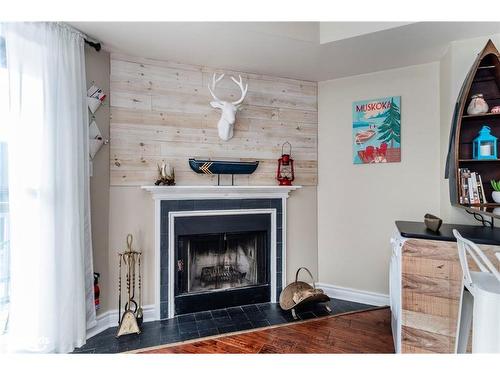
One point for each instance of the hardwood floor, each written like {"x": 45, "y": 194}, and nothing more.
{"x": 361, "y": 332}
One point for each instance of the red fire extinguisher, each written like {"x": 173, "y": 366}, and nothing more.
{"x": 97, "y": 291}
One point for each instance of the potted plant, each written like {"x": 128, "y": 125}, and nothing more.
{"x": 496, "y": 190}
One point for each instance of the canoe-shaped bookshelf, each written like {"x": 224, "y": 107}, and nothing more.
{"x": 483, "y": 78}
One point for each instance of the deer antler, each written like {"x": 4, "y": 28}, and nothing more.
{"x": 215, "y": 80}
{"x": 243, "y": 90}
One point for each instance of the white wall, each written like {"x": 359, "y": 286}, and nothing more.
{"x": 97, "y": 69}
{"x": 358, "y": 204}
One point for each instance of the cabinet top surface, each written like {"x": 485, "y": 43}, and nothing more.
{"x": 475, "y": 233}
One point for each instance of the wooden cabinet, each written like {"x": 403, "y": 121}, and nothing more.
{"x": 430, "y": 294}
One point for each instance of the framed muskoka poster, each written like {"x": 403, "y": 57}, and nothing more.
{"x": 376, "y": 130}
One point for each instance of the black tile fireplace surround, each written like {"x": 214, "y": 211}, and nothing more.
{"x": 220, "y": 300}
{"x": 221, "y": 261}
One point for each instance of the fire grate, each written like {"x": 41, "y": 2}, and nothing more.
{"x": 221, "y": 273}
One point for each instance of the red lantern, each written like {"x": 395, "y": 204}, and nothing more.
{"x": 285, "y": 174}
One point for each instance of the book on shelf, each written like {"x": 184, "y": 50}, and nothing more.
{"x": 475, "y": 188}
{"x": 482, "y": 196}
{"x": 471, "y": 189}
{"x": 463, "y": 174}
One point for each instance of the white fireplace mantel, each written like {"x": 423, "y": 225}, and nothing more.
{"x": 161, "y": 193}
{"x": 218, "y": 192}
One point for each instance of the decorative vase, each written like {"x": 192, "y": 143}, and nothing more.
{"x": 477, "y": 105}
{"x": 432, "y": 222}
{"x": 496, "y": 196}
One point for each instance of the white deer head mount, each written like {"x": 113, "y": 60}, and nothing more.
{"x": 228, "y": 116}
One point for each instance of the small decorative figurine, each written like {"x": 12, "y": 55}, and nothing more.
{"x": 225, "y": 125}
{"x": 484, "y": 146}
{"x": 166, "y": 175}
{"x": 477, "y": 105}
{"x": 495, "y": 109}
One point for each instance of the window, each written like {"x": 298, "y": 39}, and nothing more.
{"x": 3, "y": 58}
{"x": 4, "y": 196}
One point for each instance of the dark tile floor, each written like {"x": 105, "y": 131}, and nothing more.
{"x": 208, "y": 323}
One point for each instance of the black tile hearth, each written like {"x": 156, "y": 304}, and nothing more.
{"x": 260, "y": 323}
{"x": 208, "y": 323}
{"x": 228, "y": 329}
{"x": 203, "y": 325}
{"x": 223, "y": 321}
{"x": 222, "y": 313}
{"x": 204, "y": 315}
{"x": 186, "y": 318}
{"x": 188, "y": 327}
{"x": 250, "y": 309}
{"x": 209, "y": 332}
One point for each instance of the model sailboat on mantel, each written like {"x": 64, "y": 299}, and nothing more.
{"x": 482, "y": 79}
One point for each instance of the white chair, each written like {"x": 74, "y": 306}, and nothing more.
{"x": 479, "y": 302}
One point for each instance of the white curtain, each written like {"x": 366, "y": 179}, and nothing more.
{"x": 51, "y": 251}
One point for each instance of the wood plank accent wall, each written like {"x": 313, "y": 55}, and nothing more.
{"x": 431, "y": 286}
{"x": 160, "y": 111}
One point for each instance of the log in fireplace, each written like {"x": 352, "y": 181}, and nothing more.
{"x": 221, "y": 261}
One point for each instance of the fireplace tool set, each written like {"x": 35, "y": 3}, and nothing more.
{"x": 132, "y": 318}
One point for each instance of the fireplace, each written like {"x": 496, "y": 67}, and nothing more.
{"x": 212, "y": 262}
{"x": 173, "y": 203}
{"x": 221, "y": 261}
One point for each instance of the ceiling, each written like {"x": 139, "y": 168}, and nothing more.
{"x": 333, "y": 31}
{"x": 303, "y": 50}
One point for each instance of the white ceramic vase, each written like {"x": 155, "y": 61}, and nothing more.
{"x": 477, "y": 105}
{"x": 496, "y": 196}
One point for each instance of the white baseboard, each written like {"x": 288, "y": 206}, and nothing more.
{"x": 354, "y": 295}
{"x": 110, "y": 319}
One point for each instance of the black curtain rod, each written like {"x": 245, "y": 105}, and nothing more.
{"x": 97, "y": 46}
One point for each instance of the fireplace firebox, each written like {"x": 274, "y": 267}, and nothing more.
{"x": 221, "y": 261}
